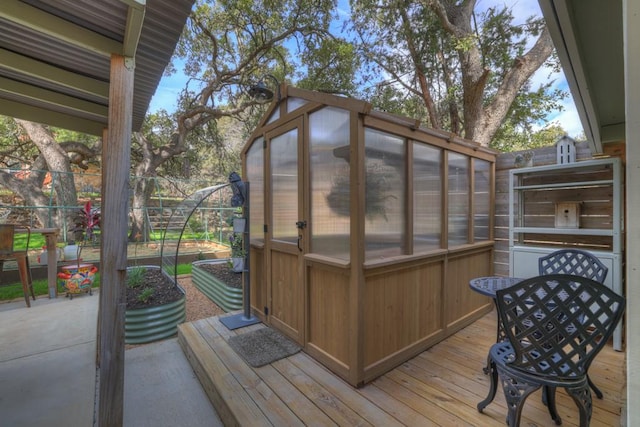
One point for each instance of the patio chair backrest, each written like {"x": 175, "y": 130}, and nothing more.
{"x": 6, "y": 238}
{"x": 573, "y": 261}
{"x": 557, "y": 323}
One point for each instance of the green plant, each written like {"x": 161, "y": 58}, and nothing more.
{"x": 196, "y": 225}
{"x": 86, "y": 223}
{"x": 237, "y": 245}
{"x": 146, "y": 295}
{"x": 135, "y": 277}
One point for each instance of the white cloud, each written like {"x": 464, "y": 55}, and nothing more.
{"x": 568, "y": 119}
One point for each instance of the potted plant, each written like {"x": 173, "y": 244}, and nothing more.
{"x": 238, "y": 253}
{"x": 78, "y": 277}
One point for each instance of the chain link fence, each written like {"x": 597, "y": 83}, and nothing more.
{"x": 206, "y": 229}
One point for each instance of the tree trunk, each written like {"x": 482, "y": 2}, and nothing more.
{"x": 481, "y": 118}
{"x": 142, "y": 191}
{"x": 56, "y": 159}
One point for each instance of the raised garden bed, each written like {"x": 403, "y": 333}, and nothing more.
{"x": 218, "y": 282}
{"x": 157, "y": 318}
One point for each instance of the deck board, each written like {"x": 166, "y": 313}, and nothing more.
{"x": 439, "y": 387}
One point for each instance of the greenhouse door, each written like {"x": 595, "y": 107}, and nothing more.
{"x": 286, "y": 231}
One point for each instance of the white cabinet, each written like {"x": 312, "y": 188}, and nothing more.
{"x": 537, "y": 195}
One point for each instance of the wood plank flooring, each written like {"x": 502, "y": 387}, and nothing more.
{"x": 439, "y": 387}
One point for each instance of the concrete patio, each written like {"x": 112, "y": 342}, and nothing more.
{"x": 48, "y": 374}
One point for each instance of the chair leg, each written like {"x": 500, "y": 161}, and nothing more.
{"x": 487, "y": 367}
{"x": 550, "y": 401}
{"x": 24, "y": 278}
{"x": 491, "y": 367}
{"x": 582, "y": 397}
{"x": 30, "y": 280}
{"x": 595, "y": 388}
{"x": 515, "y": 393}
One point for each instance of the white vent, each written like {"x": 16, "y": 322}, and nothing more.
{"x": 565, "y": 150}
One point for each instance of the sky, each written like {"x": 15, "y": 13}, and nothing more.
{"x": 568, "y": 118}
{"x": 170, "y": 86}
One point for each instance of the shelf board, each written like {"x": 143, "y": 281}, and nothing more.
{"x": 574, "y": 231}
{"x": 565, "y": 185}
{"x": 594, "y": 164}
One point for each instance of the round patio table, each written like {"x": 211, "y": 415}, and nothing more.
{"x": 488, "y": 286}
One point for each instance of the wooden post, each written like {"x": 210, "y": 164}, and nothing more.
{"x": 116, "y": 162}
{"x": 51, "y": 237}
{"x": 105, "y": 137}
{"x": 631, "y": 28}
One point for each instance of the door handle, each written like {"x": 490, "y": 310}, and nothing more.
{"x": 300, "y": 225}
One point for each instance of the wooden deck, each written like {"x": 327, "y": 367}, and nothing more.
{"x": 440, "y": 387}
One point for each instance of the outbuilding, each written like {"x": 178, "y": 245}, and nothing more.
{"x": 365, "y": 230}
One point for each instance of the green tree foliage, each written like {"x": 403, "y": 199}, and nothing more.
{"x": 510, "y": 139}
{"x": 226, "y": 47}
{"x": 455, "y": 69}
{"x": 329, "y": 67}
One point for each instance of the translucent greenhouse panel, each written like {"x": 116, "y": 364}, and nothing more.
{"x": 481, "y": 199}
{"x": 295, "y": 103}
{"x": 330, "y": 197}
{"x": 458, "y": 199}
{"x": 284, "y": 186}
{"x": 255, "y": 176}
{"x": 385, "y": 215}
{"x": 427, "y": 199}
{"x": 274, "y": 116}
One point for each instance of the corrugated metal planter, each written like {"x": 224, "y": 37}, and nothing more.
{"x": 226, "y": 297}
{"x": 143, "y": 325}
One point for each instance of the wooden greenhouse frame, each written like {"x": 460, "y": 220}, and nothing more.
{"x": 392, "y": 291}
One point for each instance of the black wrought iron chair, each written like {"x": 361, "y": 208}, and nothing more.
{"x": 555, "y": 325}
{"x": 579, "y": 263}
{"x": 573, "y": 261}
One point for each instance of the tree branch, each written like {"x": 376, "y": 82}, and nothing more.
{"x": 523, "y": 68}
{"x": 422, "y": 79}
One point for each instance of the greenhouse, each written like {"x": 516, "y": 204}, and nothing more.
{"x": 365, "y": 230}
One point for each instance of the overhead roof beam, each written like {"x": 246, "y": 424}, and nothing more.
{"x": 55, "y": 75}
{"x": 43, "y": 22}
{"x": 135, "y": 20}
{"x": 53, "y": 118}
{"x": 11, "y": 89}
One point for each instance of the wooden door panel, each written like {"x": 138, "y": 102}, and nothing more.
{"x": 285, "y": 289}
{"x": 286, "y": 294}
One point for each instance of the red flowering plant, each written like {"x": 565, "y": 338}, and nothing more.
{"x": 86, "y": 222}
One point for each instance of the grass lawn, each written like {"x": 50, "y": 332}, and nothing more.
{"x": 37, "y": 240}
{"x": 14, "y": 290}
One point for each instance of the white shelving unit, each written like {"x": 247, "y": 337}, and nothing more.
{"x": 598, "y": 185}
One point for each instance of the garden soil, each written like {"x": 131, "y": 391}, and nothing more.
{"x": 197, "y": 304}
{"x": 223, "y": 273}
